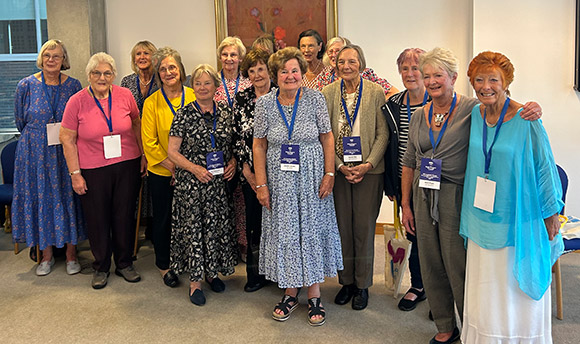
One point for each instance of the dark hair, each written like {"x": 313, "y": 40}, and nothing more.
{"x": 319, "y": 41}
{"x": 252, "y": 59}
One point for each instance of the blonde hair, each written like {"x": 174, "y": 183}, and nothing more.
{"x": 232, "y": 41}
{"x": 209, "y": 70}
{"x": 440, "y": 58}
{"x": 49, "y": 45}
{"x": 145, "y": 45}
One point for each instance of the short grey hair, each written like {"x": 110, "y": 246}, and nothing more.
{"x": 209, "y": 70}
{"x": 232, "y": 41}
{"x": 338, "y": 39}
{"x": 49, "y": 45}
{"x": 97, "y": 59}
{"x": 440, "y": 58}
{"x": 361, "y": 56}
{"x": 163, "y": 53}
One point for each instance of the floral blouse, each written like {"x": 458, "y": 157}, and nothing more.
{"x": 220, "y": 93}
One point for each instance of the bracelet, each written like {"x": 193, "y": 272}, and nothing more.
{"x": 329, "y": 174}
{"x": 260, "y": 186}
{"x": 74, "y": 172}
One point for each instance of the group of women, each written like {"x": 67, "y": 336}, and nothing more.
{"x": 306, "y": 168}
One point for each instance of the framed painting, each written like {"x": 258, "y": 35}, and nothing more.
{"x": 284, "y": 20}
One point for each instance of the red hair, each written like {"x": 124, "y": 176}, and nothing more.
{"x": 489, "y": 61}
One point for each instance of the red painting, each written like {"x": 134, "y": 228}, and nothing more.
{"x": 283, "y": 19}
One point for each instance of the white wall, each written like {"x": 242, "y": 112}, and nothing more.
{"x": 537, "y": 35}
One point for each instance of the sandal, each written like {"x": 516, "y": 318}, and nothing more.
{"x": 314, "y": 308}
{"x": 409, "y": 305}
{"x": 287, "y": 305}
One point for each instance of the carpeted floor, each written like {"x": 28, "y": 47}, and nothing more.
{"x": 64, "y": 309}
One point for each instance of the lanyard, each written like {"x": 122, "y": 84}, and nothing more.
{"x": 110, "y": 118}
{"x": 332, "y": 76}
{"x": 487, "y": 153}
{"x": 425, "y": 97}
{"x": 169, "y": 103}
{"x": 433, "y": 143}
{"x": 53, "y": 101}
{"x": 148, "y": 91}
{"x": 291, "y": 125}
{"x": 355, "y": 114}
{"x": 212, "y": 133}
{"x": 230, "y": 100}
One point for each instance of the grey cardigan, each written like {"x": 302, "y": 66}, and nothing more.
{"x": 373, "y": 126}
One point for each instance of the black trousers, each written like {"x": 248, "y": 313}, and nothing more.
{"x": 109, "y": 209}
{"x": 161, "y": 192}
{"x": 253, "y": 232}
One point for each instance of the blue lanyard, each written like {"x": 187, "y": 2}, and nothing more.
{"x": 230, "y": 100}
{"x": 332, "y": 76}
{"x": 53, "y": 101}
{"x": 433, "y": 143}
{"x": 148, "y": 91}
{"x": 110, "y": 118}
{"x": 291, "y": 125}
{"x": 355, "y": 114}
{"x": 169, "y": 103}
{"x": 212, "y": 133}
{"x": 487, "y": 153}
{"x": 425, "y": 97}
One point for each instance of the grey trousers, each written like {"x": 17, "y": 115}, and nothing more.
{"x": 442, "y": 253}
{"x": 357, "y": 208}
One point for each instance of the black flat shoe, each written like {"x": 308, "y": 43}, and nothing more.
{"x": 454, "y": 337}
{"x": 197, "y": 298}
{"x": 251, "y": 287}
{"x": 360, "y": 299}
{"x": 171, "y": 279}
{"x": 409, "y": 305}
{"x": 216, "y": 285}
{"x": 344, "y": 294}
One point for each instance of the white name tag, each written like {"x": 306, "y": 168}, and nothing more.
{"x": 112, "y": 146}
{"x": 52, "y": 131}
{"x": 484, "y": 194}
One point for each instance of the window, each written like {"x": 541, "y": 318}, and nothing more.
{"x": 22, "y": 33}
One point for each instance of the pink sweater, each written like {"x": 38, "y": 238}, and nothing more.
{"x": 83, "y": 116}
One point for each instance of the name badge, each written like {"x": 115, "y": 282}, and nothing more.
{"x": 430, "y": 177}
{"x": 215, "y": 163}
{"x": 290, "y": 158}
{"x": 484, "y": 194}
{"x": 52, "y": 130}
{"x": 112, "y": 146}
{"x": 351, "y": 148}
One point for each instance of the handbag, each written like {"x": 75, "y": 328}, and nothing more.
{"x": 397, "y": 251}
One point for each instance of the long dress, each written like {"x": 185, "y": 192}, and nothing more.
{"x": 203, "y": 241}
{"x": 300, "y": 244}
{"x": 45, "y": 210}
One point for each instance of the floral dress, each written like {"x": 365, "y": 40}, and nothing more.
{"x": 45, "y": 211}
{"x": 300, "y": 244}
{"x": 203, "y": 241}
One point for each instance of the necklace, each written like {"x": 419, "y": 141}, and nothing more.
{"x": 145, "y": 83}
{"x": 440, "y": 118}
{"x": 315, "y": 69}
{"x": 489, "y": 124}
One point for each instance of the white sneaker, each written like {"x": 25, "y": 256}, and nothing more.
{"x": 45, "y": 267}
{"x": 73, "y": 267}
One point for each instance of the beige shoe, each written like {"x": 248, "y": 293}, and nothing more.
{"x": 99, "y": 279}
{"x": 129, "y": 274}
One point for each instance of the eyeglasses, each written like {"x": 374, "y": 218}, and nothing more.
{"x": 97, "y": 74}
{"x": 170, "y": 69}
{"x": 54, "y": 57}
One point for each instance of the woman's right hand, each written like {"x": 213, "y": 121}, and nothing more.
{"x": 202, "y": 174}
{"x": 79, "y": 184}
{"x": 408, "y": 220}
{"x": 263, "y": 195}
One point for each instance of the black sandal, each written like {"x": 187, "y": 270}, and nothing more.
{"x": 409, "y": 305}
{"x": 287, "y": 305}
{"x": 314, "y": 309}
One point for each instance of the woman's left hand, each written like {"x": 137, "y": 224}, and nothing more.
{"x": 552, "y": 225}
{"x": 531, "y": 111}
{"x": 230, "y": 169}
{"x": 326, "y": 186}
{"x": 359, "y": 171}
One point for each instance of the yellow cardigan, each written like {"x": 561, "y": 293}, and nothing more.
{"x": 155, "y": 125}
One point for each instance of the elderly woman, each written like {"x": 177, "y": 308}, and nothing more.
{"x": 361, "y": 136}
{"x": 101, "y": 138}
{"x": 254, "y": 67}
{"x": 398, "y": 111}
{"x": 508, "y": 231}
{"x": 158, "y": 113}
{"x": 230, "y": 52}
{"x": 294, "y": 163}
{"x": 142, "y": 82}
{"x": 329, "y": 74}
{"x": 45, "y": 213}
{"x": 264, "y": 42}
{"x": 200, "y": 145}
{"x": 312, "y": 47}
{"x": 434, "y": 168}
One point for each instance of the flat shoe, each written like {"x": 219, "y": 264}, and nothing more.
{"x": 171, "y": 279}
{"x": 73, "y": 267}
{"x": 360, "y": 299}
{"x": 454, "y": 337}
{"x": 129, "y": 274}
{"x": 409, "y": 305}
{"x": 217, "y": 285}
{"x": 252, "y": 287}
{"x": 344, "y": 294}
{"x": 99, "y": 279}
{"x": 44, "y": 268}
{"x": 197, "y": 298}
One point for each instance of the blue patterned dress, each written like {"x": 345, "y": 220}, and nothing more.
{"x": 45, "y": 209}
{"x": 300, "y": 244}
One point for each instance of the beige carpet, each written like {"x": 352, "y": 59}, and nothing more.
{"x": 64, "y": 309}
